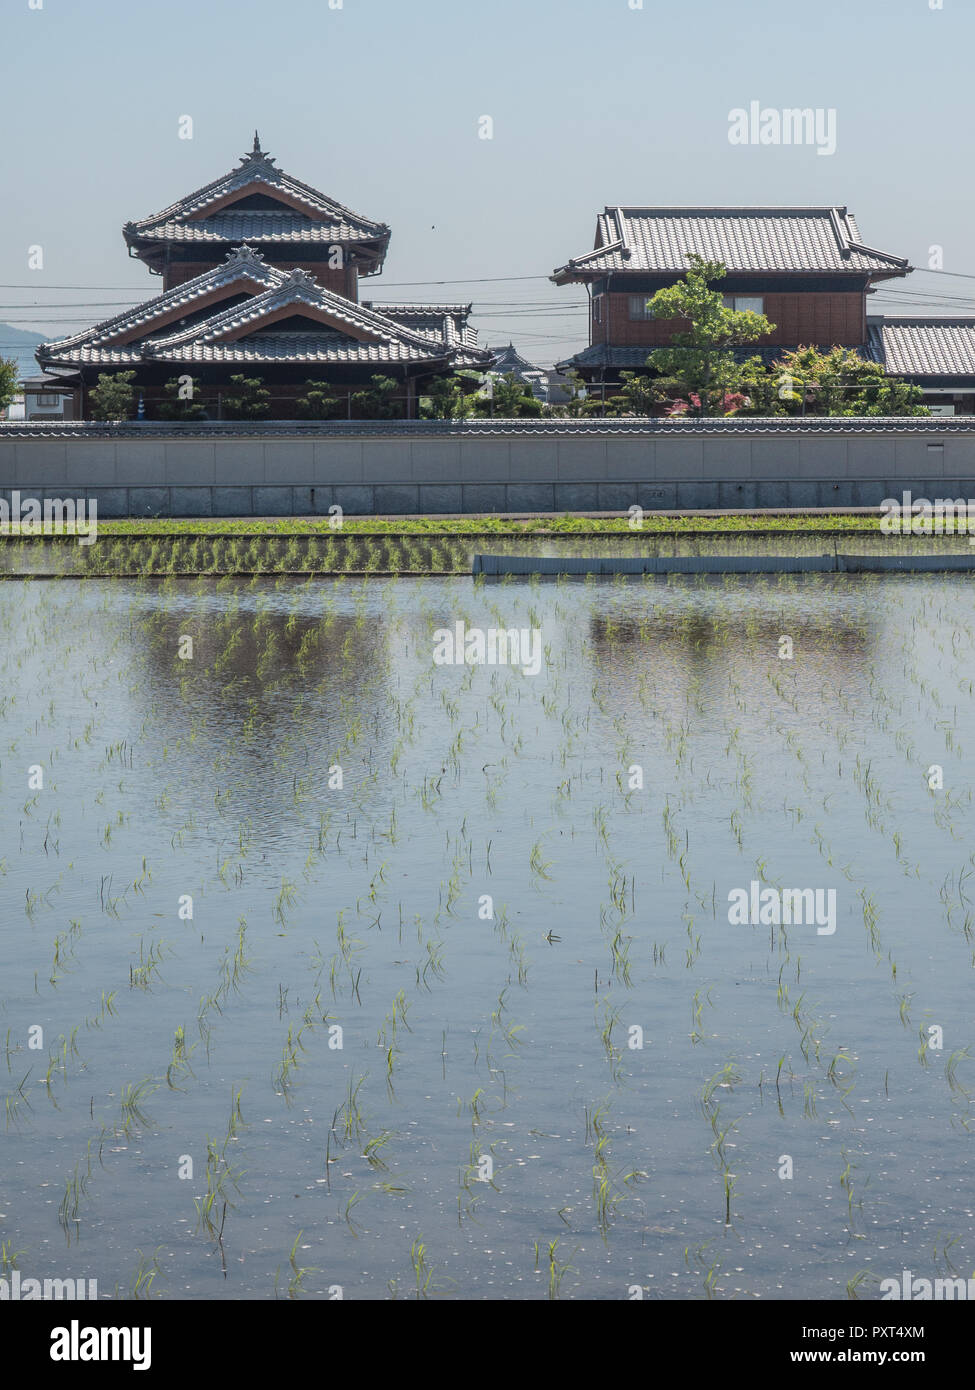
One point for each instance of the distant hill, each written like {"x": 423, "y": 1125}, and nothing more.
{"x": 19, "y": 344}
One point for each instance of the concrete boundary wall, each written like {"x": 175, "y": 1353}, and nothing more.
{"x": 493, "y": 466}
{"x": 493, "y": 566}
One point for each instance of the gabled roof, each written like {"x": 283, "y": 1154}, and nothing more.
{"x": 509, "y": 360}
{"x": 245, "y": 331}
{"x": 303, "y": 215}
{"x": 447, "y": 321}
{"x": 822, "y": 240}
{"x": 243, "y": 264}
{"x": 909, "y": 345}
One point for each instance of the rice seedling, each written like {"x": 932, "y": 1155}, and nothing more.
{"x": 350, "y": 1205}
{"x": 848, "y": 1186}
{"x": 372, "y": 1151}
{"x": 147, "y": 1271}
{"x": 133, "y": 1096}
{"x": 298, "y": 1272}
{"x": 141, "y": 975}
{"x": 862, "y": 1279}
{"x": 353, "y": 1124}
{"x": 9, "y": 1257}
{"x": 558, "y": 1269}
{"x": 12, "y": 1103}
{"x": 219, "y": 1172}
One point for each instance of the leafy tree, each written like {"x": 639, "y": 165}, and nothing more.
{"x": 447, "y": 399}
{"x": 250, "y": 401}
{"x": 642, "y": 394}
{"x": 638, "y": 394}
{"x": 378, "y": 402}
{"x": 841, "y": 382}
{"x": 112, "y": 397}
{"x": 703, "y": 356}
{"x": 512, "y": 398}
{"x": 762, "y": 388}
{"x": 178, "y": 408}
{"x": 9, "y": 380}
{"x": 318, "y": 403}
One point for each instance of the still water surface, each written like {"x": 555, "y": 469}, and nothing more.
{"x": 485, "y": 914}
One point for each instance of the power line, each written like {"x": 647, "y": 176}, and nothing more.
{"x": 113, "y": 289}
{"x": 80, "y": 304}
{"x": 389, "y": 285}
{"x": 955, "y": 274}
{"x": 474, "y": 280}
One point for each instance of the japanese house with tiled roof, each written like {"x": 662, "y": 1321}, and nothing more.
{"x": 807, "y": 269}
{"x": 260, "y": 277}
{"x": 935, "y": 353}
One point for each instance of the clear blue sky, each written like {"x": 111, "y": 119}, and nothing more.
{"x": 377, "y": 104}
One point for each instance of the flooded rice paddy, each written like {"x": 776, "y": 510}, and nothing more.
{"x": 326, "y": 970}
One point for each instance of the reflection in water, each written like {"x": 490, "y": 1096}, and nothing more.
{"x": 354, "y": 923}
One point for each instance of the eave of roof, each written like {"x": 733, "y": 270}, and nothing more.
{"x": 750, "y": 240}
{"x": 262, "y": 227}
{"x": 406, "y": 310}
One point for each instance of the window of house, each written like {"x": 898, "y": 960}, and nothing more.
{"x": 48, "y": 400}
{"x": 744, "y": 303}
{"x": 638, "y": 307}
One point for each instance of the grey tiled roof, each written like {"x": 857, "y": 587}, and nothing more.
{"x": 405, "y": 311}
{"x": 447, "y": 321}
{"x": 241, "y": 263}
{"x": 350, "y": 333}
{"x": 912, "y": 346}
{"x": 323, "y": 219}
{"x": 605, "y": 355}
{"x": 254, "y": 226}
{"x": 647, "y": 239}
{"x": 294, "y": 347}
{"x": 509, "y": 359}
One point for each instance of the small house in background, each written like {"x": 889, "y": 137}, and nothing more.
{"x": 807, "y": 269}
{"x": 937, "y": 354}
{"x": 48, "y": 398}
{"x": 550, "y": 387}
{"x": 508, "y": 361}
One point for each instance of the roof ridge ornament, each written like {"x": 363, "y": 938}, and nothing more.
{"x": 245, "y": 255}
{"x": 297, "y": 276}
{"x": 256, "y": 155}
